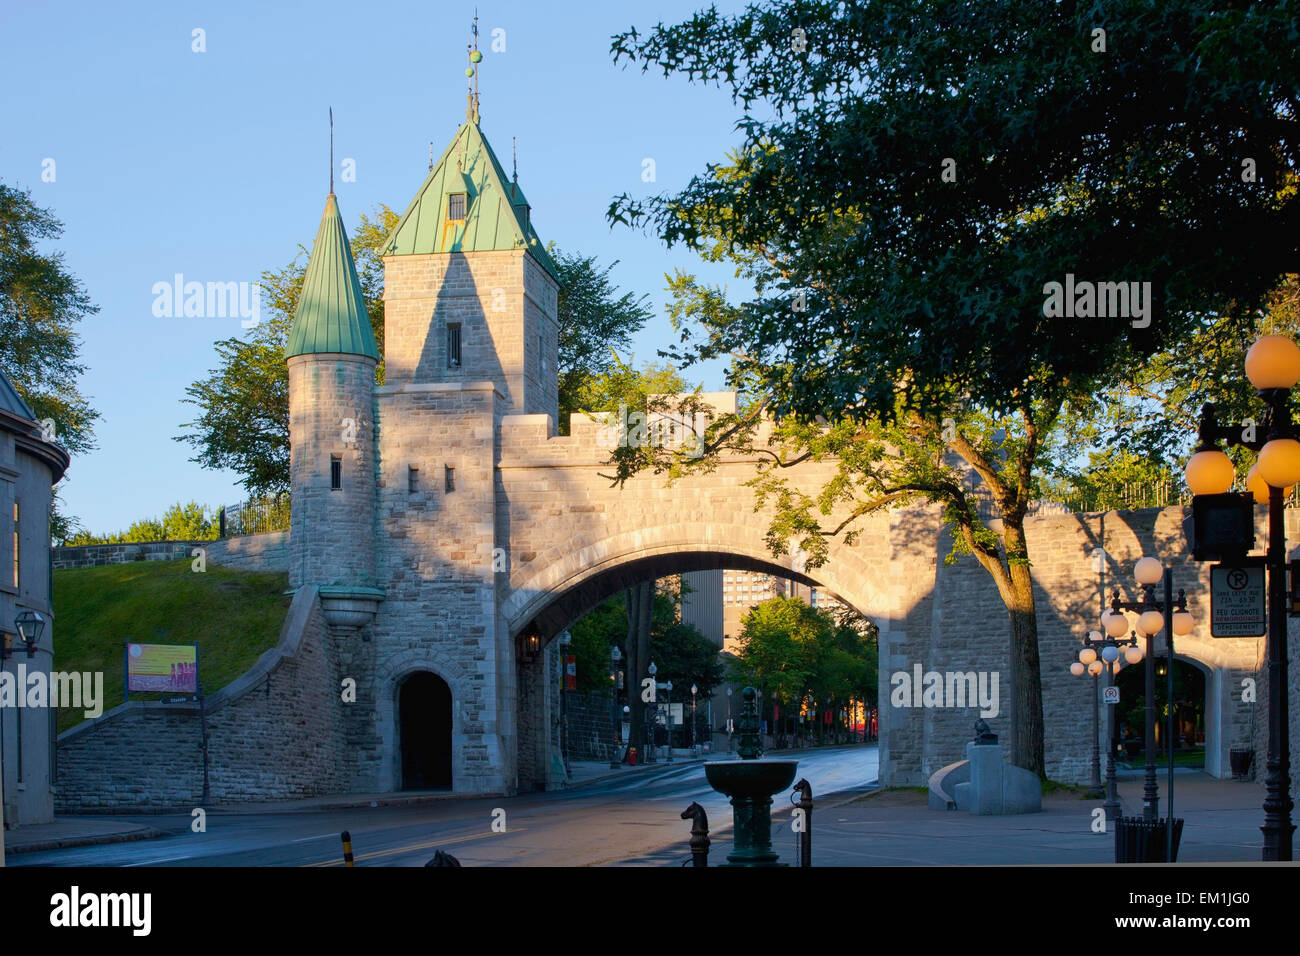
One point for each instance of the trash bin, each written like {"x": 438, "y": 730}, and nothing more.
{"x": 1143, "y": 841}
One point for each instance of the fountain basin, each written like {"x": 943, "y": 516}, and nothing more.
{"x": 750, "y": 778}
{"x": 750, "y": 785}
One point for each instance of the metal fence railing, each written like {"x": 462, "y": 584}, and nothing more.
{"x": 254, "y": 516}
{"x": 1131, "y": 496}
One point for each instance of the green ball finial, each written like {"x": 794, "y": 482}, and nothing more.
{"x": 475, "y": 57}
{"x": 470, "y": 71}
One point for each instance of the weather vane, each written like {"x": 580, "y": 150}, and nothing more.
{"x": 471, "y": 74}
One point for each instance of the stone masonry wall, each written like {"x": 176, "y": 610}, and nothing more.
{"x": 273, "y": 734}
{"x": 268, "y": 551}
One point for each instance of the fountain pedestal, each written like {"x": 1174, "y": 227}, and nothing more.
{"x": 750, "y": 783}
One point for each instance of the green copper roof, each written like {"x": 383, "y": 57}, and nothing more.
{"x": 331, "y": 314}
{"x": 496, "y": 212}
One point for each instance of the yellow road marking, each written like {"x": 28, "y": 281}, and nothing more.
{"x": 416, "y": 846}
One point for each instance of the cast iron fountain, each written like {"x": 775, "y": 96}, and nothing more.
{"x": 750, "y": 783}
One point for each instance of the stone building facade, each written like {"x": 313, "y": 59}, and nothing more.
{"x": 30, "y": 464}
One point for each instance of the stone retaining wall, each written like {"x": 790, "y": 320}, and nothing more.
{"x": 268, "y": 551}
{"x": 274, "y": 733}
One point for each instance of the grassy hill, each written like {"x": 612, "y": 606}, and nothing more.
{"x": 233, "y": 616}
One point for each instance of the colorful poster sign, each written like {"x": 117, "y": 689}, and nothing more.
{"x": 171, "y": 668}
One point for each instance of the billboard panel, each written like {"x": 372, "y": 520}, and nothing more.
{"x": 171, "y": 668}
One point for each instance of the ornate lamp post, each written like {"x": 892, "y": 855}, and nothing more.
{"x": 731, "y": 741}
{"x": 615, "y": 655}
{"x": 1108, "y": 649}
{"x": 1151, "y": 620}
{"x": 1092, "y": 668}
{"x": 1273, "y": 367}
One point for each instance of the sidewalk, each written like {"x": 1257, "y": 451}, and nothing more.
{"x": 75, "y": 831}
{"x": 897, "y": 828}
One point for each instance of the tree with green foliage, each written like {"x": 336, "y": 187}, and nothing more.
{"x": 806, "y": 656}
{"x": 926, "y": 172}
{"x": 596, "y": 323}
{"x": 40, "y": 306}
{"x": 181, "y": 522}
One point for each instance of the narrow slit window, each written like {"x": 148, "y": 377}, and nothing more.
{"x": 412, "y": 479}
{"x": 336, "y": 472}
{"x": 456, "y": 206}
{"x": 449, "y": 478}
{"x": 15, "y": 544}
{"x": 453, "y": 345}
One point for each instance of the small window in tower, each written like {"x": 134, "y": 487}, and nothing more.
{"x": 412, "y": 479}
{"x": 336, "y": 472}
{"x": 456, "y": 206}
{"x": 15, "y": 544}
{"x": 449, "y": 478}
{"x": 453, "y": 345}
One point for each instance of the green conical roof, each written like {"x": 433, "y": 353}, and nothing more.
{"x": 331, "y": 314}
{"x": 496, "y": 212}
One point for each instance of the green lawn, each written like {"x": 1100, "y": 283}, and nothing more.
{"x": 233, "y": 616}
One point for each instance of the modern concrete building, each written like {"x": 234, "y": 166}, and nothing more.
{"x": 30, "y": 464}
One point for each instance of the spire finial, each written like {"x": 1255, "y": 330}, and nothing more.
{"x": 331, "y": 151}
{"x": 430, "y": 155}
{"x": 471, "y": 74}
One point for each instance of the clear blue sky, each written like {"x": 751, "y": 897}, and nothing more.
{"x": 215, "y": 165}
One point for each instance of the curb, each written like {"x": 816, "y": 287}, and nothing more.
{"x": 144, "y": 833}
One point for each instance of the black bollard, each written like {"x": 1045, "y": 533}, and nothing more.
{"x": 347, "y": 849}
{"x": 699, "y": 834}
{"x": 805, "y": 803}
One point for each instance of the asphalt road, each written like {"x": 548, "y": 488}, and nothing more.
{"x": 634, "y": 818}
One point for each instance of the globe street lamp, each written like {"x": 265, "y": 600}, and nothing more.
{"x": 1078, "y": 669}
{"x": 1151, "y": 620}
{"x": 1273, "y": 367}
{"x": 1108, "y": 650}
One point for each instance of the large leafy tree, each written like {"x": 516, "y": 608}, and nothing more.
{"x": 40, "y": 306}
{"x": 913, "y": 175}
{"x": 596, "y": 323}
{"x": 803, "y": 654}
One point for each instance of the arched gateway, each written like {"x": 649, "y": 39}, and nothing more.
{"x": 440, "y": 516}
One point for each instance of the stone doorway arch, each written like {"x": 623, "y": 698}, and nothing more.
{"x": 424, "y": 729}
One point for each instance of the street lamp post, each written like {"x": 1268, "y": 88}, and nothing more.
{"x": 615, "y": 655}
{"x": 1078, "y": 669}
{"x": 1108, "y": 650}
{"x": 668, "y": 720}
{"x": 731, "y": 743}
{"x": 1273, "y": 367}
{"x": 1151, "y": 620}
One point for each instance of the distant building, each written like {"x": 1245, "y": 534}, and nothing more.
{"x": 29, "y": 466}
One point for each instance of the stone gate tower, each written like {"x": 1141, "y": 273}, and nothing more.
{"x": 397, "y": 516}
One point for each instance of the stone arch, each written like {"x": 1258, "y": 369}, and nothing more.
{"x": 393, "y": 672}
{"x": 566, "y": 585}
